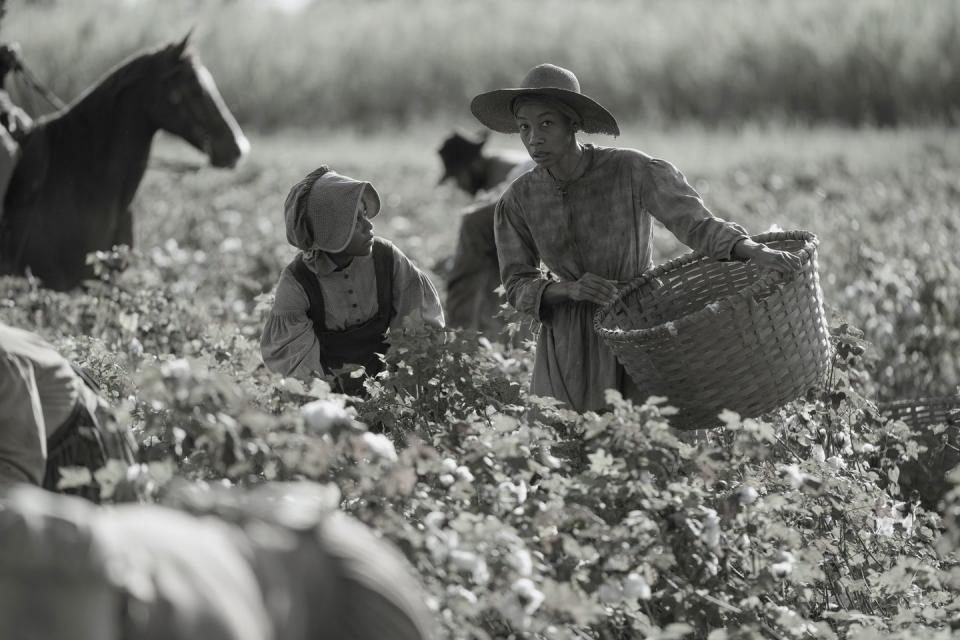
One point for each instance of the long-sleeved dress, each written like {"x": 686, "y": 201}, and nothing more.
{"x": 600, "y": 221}
{"x": 288, "y": 343}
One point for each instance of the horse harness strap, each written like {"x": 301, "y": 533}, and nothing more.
{"x": 31, "y": 79}
{"x": 359, "y": 344}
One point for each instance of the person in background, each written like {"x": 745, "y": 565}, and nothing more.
{"x": 586, "y": 212}
{"x": 346, "y": 287}
{"x": 471, "y": 169}
{"x": 279, "y": 562}
{"x": 473, "y": 273}
{"x": 51, "y": 416}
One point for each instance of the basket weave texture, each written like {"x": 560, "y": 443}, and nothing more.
{"x": 923, "y": 412}
{"x": 711, "y": 335}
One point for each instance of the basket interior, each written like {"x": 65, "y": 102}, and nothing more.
{"x": 688, "y": 289}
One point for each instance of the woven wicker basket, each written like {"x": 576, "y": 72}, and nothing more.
{"x": 711, "y": 335}
{"x": 923, "y": 412}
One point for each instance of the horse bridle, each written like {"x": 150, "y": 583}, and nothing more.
{"x": 177, "y": 98}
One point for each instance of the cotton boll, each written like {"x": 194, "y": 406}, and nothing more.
{"x": 635, "y": 587}
{"x": 380, "y": 446}
{"x": 320, "y": 416}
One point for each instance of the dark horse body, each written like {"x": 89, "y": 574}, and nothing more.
{"x": 80, "y": 168}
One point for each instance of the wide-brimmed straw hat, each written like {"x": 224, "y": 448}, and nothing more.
{"x": 321, "y": 210}
{"x": 494, "y": 108}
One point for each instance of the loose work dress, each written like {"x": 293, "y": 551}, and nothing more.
{"x": 600, "y": 221}
{"x": 288, "y": 343}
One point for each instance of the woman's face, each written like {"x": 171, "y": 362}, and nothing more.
{"x": 361, "y": 242}
{"x": 546, "y": 133}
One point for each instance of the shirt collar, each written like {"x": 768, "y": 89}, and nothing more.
{"x": 321, "y": 264}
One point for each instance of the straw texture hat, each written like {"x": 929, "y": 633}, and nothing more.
{"x": 321, "y": 210}
{"x": 494, "y": 108}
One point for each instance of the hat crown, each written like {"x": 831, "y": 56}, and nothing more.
{"x": 550, "y": 76}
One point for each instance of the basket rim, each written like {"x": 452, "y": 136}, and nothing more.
{"x": 921, "y": 401}
{"x": 756, "y": 290}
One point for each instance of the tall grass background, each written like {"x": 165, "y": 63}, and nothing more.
{"x": 377, "y": 63}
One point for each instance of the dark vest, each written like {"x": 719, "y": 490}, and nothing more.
{"x": 360, "y": 344}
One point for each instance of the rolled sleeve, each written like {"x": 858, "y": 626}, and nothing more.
{"x": 288, "y": 344}
{"x": 668, "y": 197}
{"x": 415, "y": 299}
{"x": 520, "y": 272}
{"x": 23, "y": 448}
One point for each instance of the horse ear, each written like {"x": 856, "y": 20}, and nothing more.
{"x": 181, "y": 46}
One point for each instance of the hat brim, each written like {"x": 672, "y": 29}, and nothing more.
{"x": 376, "y": 198}
{"x": 340, "y": 222}
{"x": 493, "y": 109}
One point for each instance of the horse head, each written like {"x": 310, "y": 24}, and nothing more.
{"x": 189, "y": 105}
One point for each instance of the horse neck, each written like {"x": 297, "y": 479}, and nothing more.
{"x": 107, "y": 136}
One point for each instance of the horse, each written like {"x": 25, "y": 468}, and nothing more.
{"x": 80, "y": 167}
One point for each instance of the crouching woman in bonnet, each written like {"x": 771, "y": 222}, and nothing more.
{"x": 345, "y": 288}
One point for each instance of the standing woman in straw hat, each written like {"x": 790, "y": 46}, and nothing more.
{"x": 586, "y": 212}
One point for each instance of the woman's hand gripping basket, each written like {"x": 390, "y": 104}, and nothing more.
{"x": 711, "y": 335}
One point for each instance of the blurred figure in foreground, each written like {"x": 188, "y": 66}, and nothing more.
{"x": 473, "y": 273}
{"x": 51, "y": 416}
{"x": 14, "y": 121}
{"x": 276, "y": 563}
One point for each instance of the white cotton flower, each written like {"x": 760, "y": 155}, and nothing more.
{"x": 446, "y": 479}
{"x": 711, "y": 530}
{"x": 449, "y": 465}
{"x": 463, "y": 474}
{"x": 783, "y": 565}
{"x": 466, "y": 594}
{"x": 380, "y": 446}
{"x": 793, "y": 474}
{"x": 818, "y": 454}
{"x": 511, "y": 495}
{"x": 321, "y": 415}
{"x": 747, "y": 494}
{"x": 135, "y": 348}
{"x": 465, "y": 560}
{"x": 434, "y": 520}
{"x": 522, "y": 561}
{"x": 179, "y": 369}
{"x": 635, "y": 586}
{"x": 885, "y": 526}
{"x": 530, "y": 597}
{"x": 481, "y": 573}
{"x": 836, "y": 463}
{"x": 549, "y": 459}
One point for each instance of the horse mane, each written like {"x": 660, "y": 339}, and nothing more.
{"x": 145, "y": 64}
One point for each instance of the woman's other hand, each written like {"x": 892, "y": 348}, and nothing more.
{"x": 588, "y": 288}
{"x": 767, "y": 258}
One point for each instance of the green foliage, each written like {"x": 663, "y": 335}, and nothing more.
{"x": 526, "y": 520}
{"x": 376, "y": 63}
